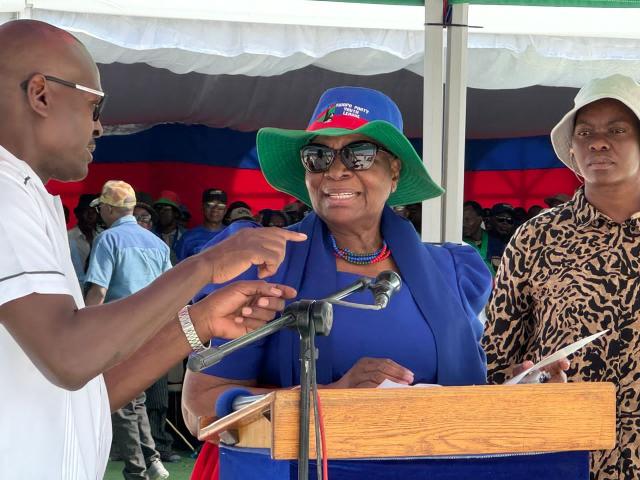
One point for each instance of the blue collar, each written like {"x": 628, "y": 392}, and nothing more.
{"x": 123, "y": 220}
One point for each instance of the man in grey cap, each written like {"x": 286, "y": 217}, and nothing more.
{"x": 214, "y": 206}
{"x": 575, "y": 270}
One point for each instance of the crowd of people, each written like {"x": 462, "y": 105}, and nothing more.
{"x": 168, "y": 218}
{"x": 489, "y": 230}
{"x": 95, "y": 316}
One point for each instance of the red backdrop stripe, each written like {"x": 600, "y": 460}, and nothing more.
{"x": 187, "y": 180}
{"x": 518, "y": 187}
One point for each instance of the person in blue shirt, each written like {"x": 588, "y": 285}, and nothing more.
{"x": 126, "y": 258}
{"x": 352, "y": 164}
{"x": 214, "y": 207}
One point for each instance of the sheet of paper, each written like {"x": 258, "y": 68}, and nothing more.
{"x": 554, "y": 357}
{"x": 391, "y": 384}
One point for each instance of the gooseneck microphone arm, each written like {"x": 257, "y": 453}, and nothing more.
{"x": 357, "y": 286}
{"x": 383, "y": 287}
{"x": 212, "y": 355}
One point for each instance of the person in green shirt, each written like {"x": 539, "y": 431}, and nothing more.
{"x": 473, "y": 233}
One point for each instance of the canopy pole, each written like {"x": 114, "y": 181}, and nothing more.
{"x": 27, "y": 12}
{"x": 455, "y": 118}
{"x": 432, "y": 116}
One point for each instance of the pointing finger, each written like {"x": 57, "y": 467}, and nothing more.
{"x": 293, "y": 236}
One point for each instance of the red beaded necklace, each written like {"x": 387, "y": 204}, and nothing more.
{"x": 361, "y": 258}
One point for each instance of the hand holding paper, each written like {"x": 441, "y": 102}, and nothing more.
{"x": 559, "y": 355}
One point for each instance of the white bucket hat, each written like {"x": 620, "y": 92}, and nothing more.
{"x": 621, "y": 88}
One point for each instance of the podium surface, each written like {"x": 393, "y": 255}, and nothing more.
{"x": 431, "y": 422}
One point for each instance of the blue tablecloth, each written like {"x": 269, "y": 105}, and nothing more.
{"x": 237, "y": 464}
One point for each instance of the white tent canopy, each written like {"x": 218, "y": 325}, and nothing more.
{"x": 517, "y": 46}
{"x": 249, "y": 63}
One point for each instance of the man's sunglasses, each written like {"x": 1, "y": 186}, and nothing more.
{"x": 504, "y": 219}
{"x": 97, "y": 107}
{"x": 318, "y": 158}
{"x": 215, "y": 206}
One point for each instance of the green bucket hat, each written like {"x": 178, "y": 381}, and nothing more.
{"x": 168, "y": 197}
{"x": 344, "y": 111}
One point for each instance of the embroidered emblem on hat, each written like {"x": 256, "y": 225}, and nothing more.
{"x": 326, "y": 115}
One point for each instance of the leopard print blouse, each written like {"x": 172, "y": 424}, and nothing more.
{"x": 568, "y": 273}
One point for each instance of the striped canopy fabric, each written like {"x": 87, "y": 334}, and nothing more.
{"x": 531, "y": 3}
{"x": 558, "y": 3}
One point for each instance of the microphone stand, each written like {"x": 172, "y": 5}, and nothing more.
{"x": 199, "y": 361}
{"x": 309, "y": 318}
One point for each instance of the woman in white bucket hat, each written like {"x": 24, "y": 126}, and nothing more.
{"x": 574, "y": 270}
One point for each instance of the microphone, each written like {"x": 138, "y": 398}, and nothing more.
{"x": 212, "y": 355}
{"x": 297, "y": 314}
{"x": 384, "y": 286}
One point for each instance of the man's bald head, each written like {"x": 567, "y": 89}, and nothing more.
{"x": 50, "y": 120}
{"x": 28, "y": 46}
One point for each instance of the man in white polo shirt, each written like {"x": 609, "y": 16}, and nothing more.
{"x": 63, "y": 367}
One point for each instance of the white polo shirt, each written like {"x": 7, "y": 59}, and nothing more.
{"x": 46, "y": 432}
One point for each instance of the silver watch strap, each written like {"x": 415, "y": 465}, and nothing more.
{"x": 189, "y": 330}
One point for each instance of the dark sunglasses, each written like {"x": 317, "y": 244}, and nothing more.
{"x": 508, "y": 220}
{"x": 97, "y": 107}
{"x": 318, "y": 158}
{"x": 214, "y": 205}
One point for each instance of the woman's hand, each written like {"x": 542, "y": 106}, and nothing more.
{"x": 552, "y": 373}
{"x": 238, "y": 308}
{"x": 371, "y": 372}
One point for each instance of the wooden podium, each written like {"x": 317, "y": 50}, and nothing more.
{"x": 430, "y": 423}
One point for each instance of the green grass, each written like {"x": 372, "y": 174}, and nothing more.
{"x": 179, "y": 471}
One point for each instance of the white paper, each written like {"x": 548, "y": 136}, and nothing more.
{"x": 554, "y": 357}
{"x": 391, "y": 384}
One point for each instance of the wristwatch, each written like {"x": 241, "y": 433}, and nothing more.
{"x": 189, "y": 330}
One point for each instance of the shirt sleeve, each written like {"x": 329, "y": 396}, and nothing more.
{"x": 167, "y": 261}
{"x": 28, "y": 263}
{"x": 76, "y": 260}
{"x": 509, "y": 311}
{"x": 101, "y": 262}
{"x": 474, "y": 282}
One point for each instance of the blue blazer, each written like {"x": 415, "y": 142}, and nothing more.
{"x": 450, "y": 284}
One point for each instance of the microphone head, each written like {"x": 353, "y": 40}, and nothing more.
{"x": 384, "y": 286}
{"x": 389, "y": 279}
